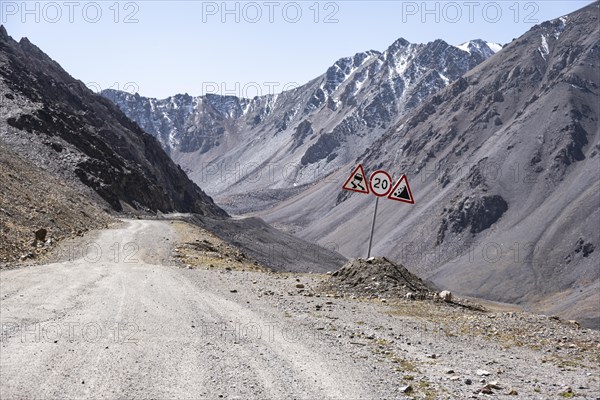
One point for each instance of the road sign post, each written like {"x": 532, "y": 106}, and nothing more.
{"x": 372, "y": 228}
{"x": 380, "y": 184}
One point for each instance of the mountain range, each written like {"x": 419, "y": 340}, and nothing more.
{"x": 252, "y": 152}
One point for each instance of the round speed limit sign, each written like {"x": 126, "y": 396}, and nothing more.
{"x": 381, "y": 183}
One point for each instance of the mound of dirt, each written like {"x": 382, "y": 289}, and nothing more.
{"x": 377, "y": 277}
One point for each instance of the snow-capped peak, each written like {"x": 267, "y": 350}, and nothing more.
{"x": 480, "y": 46}
{"x": 464, "y": 47}
{"x": 496, "y": 47}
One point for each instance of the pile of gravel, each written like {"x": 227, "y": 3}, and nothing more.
{"x": 377, "y": 277}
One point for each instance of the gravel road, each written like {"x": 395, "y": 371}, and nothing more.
{"x": 125, "y": 322}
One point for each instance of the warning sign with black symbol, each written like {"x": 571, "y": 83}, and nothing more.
{"x": 357, "y": 181}
{"x": 401, "y": 192}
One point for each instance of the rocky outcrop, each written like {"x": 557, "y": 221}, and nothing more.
{"x": 472, "y": 214}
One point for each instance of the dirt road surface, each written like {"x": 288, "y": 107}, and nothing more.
{"x": 124, "y": 322}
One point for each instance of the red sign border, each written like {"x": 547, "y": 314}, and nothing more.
{"x": 359, "y": 167}
{"x": 412, "y": 199}
{"x": 371, "y": 182}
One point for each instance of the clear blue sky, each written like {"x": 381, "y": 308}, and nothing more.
{"x": 170, "y": 47}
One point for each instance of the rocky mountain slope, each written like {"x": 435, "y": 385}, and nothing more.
{"x": 37, "y": 209}
{"x": 59, "y": 125}
{"x": 503, "y": 164}
{"x": 250, "y": 153}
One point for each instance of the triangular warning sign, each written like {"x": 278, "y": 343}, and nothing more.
{"x": 401, "y": 192}
{"x": 357, "y": 181}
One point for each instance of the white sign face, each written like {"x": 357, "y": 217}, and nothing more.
{"x": 381, "y": 183}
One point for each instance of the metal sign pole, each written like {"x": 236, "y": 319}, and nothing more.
{"x": 373, "y": 227}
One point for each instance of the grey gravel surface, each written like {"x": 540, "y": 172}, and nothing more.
{"x": 125, "y": 322}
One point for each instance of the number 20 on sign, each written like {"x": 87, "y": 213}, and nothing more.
{"x": 380, "y": 184}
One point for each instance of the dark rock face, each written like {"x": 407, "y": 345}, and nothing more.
{"x": 323, "y": 148}
{"x": 571, "y": 147}
{"x": 40, "y": 234}
{"x": 303, "y": 130}
{"x": 582, "y": 249}
{"x": 474, "y": 214}
{"x": 102, "y": 147}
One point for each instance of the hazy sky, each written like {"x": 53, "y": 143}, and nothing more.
{"x": 160, "y": 48}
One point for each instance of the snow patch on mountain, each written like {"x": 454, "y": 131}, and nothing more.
{"x": 464, "y": 47}
{"x": 444, "y": 78}
{"x": 402, "y": 62}
{"x": 343, "y": 69}
{"x": 543, "y": 49}
{"x": 494, "y": 46}
{"x": 487, "y": 49}
{"x": 562, "y": 22}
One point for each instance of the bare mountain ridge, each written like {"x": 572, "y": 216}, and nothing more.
{"x": 249, "y": 151}
{"x": 504, "y": 167}
{"x": 62, "y": 126}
